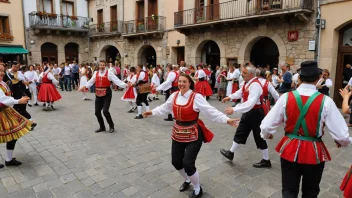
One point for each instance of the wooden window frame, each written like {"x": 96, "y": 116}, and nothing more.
{"x": 73, "y": 7}
{"x": 41, "y": 7}
{"x": 7, "y": 21}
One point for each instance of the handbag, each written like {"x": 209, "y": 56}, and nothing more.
{"x": 100, "y": 92}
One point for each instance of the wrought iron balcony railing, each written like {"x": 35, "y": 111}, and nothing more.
{"x": 112, "y": 27}
{"x": 143, "y": 25}
{"x": 49, "y": 20}
{"x": 238, "y": 9}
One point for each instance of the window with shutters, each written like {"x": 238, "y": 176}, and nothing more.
{"x": 45, "y": 6}
{"x": 4, "y": 25}
{"x": 68, "y": 8}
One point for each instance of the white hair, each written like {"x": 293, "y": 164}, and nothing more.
{"x": 257, "y": 72}
{"x": 251, "y": 70}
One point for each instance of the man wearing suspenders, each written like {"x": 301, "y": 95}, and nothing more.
{"x": 305, "y": 113}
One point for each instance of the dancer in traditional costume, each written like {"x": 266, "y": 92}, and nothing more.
{"x": 84, "y": 79}
{"x": 170, "y": 85}
{"x": 102, "y": 80}
{"x": 18, "y": 83}
{"x": 131, "y": 93}
{"x": 305, "y": 113}
{"x": 223, "y": 82}
{"x": 267, "y": 88}
{"x": 189, "y": 132}
{"x": 33, "y": 79}
{"x": 141, "y": 79}
{"x": 252, "y": 115}
{"x": 48, "y": 93}
{"x": 12, "y": 124}
{"x": 202, "y": 85}
{"x": 155, "y": 82}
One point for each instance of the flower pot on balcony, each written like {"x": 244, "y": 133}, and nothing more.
{"x": 6, "y": 37}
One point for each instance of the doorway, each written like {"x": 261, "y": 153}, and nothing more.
{"x": 49, "y": 53}
{"x": 180, "y": 54}
{"x": 265, "y": 52}
{"x": 71, "y": 52}
{"x": 112, "y": 55}
{"x": 211, "y": 56}
{"x": 344, "y": 58}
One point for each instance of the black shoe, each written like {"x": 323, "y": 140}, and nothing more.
{"x": 33, "y": 126}
{"x": 150, "y": 100}
{"x": 13, "y": 162}
{"x": 193, "y": 195}
{"x": 138, "y": 117}
{"x": 263, "y": 164}
{"x": 100, "y": 130}
{"x": 130, "y": 111}
{"x": 29, "y": 105}
{"x": 134, "y": 109}
{"x": 2, "y": 166}
{"x": 168, "y": 119}
{"x": 185, "y": 186}
{"x": 53, "y": 107}
{"x": 227, "y": 153}
{"x": 44, "y": 104}
{"x": 36, "y": 104}
{"x": 156, "y": 98}
{"x": 111, "y": 130}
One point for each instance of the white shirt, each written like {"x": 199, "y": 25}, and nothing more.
{"x": 83, "y": 71}
{"x": 67, "y": 70}
{"x": 200, "y": 74}
{"x": 271, "y": 89}
{"x": 155, "y": 80}
{"x": 20, "y": 76}
{"x": 132, "y": 79}
{"x": 56, "y": 71}
{"x": 112, "y": 70}
{"x": 167, "y": 84}
{"x": 255, "y": 91}
{"x": 295, "y": 78}
{"x": 237, "y": 74}
{"x": 49, "y": 76}
{"x": 6, "y": 100}
{"x": 141, "y": 76}
{"x": 112, "y": 77}
{"x": 331, "y": 116}
{"x": 230, "y": 76}
{"x": 275, "y": 80}
{"x": 31, "y": 76}
{"x": 199, "y": 105}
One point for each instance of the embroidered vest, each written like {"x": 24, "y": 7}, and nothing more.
{"x": 175, "y": 82}
{"x": 245, "y": 93}
{"x": 145, "y": 80}
{"x": 102, "y": 81}
{"x": 186, "y": 128}
{"x": 46, "y": 79}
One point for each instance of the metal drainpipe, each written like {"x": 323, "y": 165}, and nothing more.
{"x": 318, "y": 34}
{"x": 24, "y": 31}
{"x": 88, "y": 33}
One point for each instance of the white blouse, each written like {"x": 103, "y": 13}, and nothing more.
{"x": 199, "y": 105}
{"x": 6, "y": 100}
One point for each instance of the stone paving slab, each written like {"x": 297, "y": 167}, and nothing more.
{"x": 63, "y": 157}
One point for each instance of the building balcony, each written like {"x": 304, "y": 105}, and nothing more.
{"x": 57, "y": 22}
{"x": 146, "y": 26}
{"x": 112, "y": 28}
{"x": 6, "y": 37}
{"x": 241, "y": 10}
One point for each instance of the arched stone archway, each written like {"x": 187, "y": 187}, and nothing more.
{"x": 253, "y": 37}
{"x": 147, "y": 55}
{"x": 110, "y": 53}
{"x": 49, "y": 53}
{"x": 196, "y": 51}
{"x": 71, "y": 52}
{"x": 105, "y": 45}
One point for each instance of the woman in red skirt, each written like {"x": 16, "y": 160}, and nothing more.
{"x": 202, "y": 85}
{"x": 131, "y": 93}
{"x": 48, "y": 93}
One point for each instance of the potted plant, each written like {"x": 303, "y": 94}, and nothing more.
{"x": 101, "y": 27}
{"x": 52, "y": 15}
{"x": 74, "y": 18}
{"x": 6, "y": 37}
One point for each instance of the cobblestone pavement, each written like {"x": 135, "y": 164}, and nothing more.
{"x": 63, "y": 157}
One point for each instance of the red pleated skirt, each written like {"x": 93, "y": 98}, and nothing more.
{"x": 203, "y": 88}
{"x": 48, "y": 93}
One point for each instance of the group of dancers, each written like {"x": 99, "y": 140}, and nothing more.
{"x": 305, "y": 112}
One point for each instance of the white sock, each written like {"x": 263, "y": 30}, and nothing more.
{"x": 147, "y": 108}
{"x": 265, "y": 153}
{"x": 234, "y": 146}
{"x": 184, "y": 175}
{"x": 131, "y": 105}
{"x": 195, "y": 182}
{"x": 139, "y": 110}
{"x": 9, "y": 155}
{"x": 84, "y": 94}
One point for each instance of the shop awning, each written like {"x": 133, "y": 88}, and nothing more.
{"x": 12, "y": 50}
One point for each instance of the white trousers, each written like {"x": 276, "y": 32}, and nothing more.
{"x": 33, "y": 89}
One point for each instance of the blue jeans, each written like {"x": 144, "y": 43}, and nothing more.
{"x": 67, "y": 82}
{"x": 92, "y": 88}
